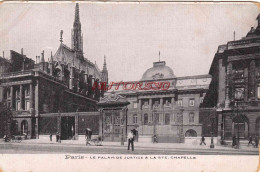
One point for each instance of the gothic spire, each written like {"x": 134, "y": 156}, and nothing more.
{"x": 105, "y": 64}
{"x": 76, "y": 36}
{"x": 76, "y": 20}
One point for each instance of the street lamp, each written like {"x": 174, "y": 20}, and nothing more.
{"x": 237, "y": 145}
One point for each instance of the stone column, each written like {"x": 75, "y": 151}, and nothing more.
{"x": 1, "y": 94}
{"x": 173, "y": 102}
{"x": 246, "y": 85}
{"x": 161, "y": 104}
{"x": 139, "y": 105}
{"x": 228, "y": 79}
{"x": 36, "y": 107}
{"x": 31, "y": 96}
{"x": 21, "y": 97}
{"x": 76, "y": 136}
{"x": 252, "y": 79}
{"x": 150, "y": 104}
{"x": 12, "y": 97}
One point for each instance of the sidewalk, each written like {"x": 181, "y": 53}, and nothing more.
{"x": 144, "y": 145}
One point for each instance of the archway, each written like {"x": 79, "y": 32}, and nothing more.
{"x": 24, "y": 127}
{"x": 14, "y": 127}
{"x": 240, "y": 126}
{"x": 145, "y": 119}
{"x": 191, "y": 133}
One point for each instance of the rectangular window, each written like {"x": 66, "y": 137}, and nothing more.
{"x": 180, "y": 102}
{"x": 135, "y": 105}
{"x": 27, "y": 105}
{"x": 191, "y": 117}
{"x": 167, "y": 119}
{"x": 18, "y": 105}
{"x": 135, "y": 119}
{"x": 192, "y": 102}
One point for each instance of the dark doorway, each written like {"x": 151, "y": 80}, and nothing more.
{"x": 67, "y": 127}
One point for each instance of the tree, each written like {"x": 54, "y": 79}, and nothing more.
{"x": 5, "y": 119}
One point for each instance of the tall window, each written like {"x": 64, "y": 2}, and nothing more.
{"x": 145, "y": 119}
{"x": 27, "y": 105}
{"x": 135, "y": 105}
{"x": 167, "y": 119}
{"x": 135, "y": 118}
{"x": 191, "y": 117}
{"x": 18, "y": 105}
{"x": 191, "y": 102}
{"x": 180, "y": 102}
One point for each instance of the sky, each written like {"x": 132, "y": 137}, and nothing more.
{"x": 130, "y": 35}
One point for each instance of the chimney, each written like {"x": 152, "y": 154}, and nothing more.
{"x": 42, "y": 60}
{"x": 3, "y": 54}
{"x": 22, "y": 51}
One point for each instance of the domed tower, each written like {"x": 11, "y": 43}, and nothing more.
{"x": 158, "y": 71}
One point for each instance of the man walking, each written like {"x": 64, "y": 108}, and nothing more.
{"x": 250, "y": 141}
{"x": 202, "y": 140}
{"x": 130, "y": 138}
{"x": 51, "y": 137}
{"x": 234, "y": 141}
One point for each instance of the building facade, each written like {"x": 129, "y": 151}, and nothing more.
{"x": 162, "y": 104}
{"x": 61, "y": 84}
{"x": 235, "y": 87}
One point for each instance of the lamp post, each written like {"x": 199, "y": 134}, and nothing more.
{"x": 212, "y": 142}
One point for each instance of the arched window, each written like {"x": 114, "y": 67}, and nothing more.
{"x": 191, "y": 133}
{"x": 145, "y": 119}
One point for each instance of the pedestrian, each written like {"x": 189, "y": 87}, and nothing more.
{"x": 130, "y": 138}
{"x": 234, "y": 141}
{"x": 89, "y": 134}
{"x": 256, "y": 141}
{"x": 51, "y": 137}
{"x": 135, "y": 134}
{"x": 155, "y": 139}
{"x": 202, "y": 140}
{"x": 250, "y": 139}
{"x": 57, "y": 136}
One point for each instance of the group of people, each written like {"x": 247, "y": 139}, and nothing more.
{"x": 250, "y": 141}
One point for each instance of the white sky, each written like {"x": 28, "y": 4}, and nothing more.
{"x": 129, "y": 34}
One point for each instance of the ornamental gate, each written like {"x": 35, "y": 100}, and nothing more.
{"x": 113, "y": 118}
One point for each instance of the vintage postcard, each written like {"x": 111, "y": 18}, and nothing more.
{"x": 129, "y": 86}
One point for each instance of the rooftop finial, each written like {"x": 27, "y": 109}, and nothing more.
{"x": 3, "y": 54}
{"x": 159, "y": 56}
{"x": 61, "y": 33}
{"x": 234, "y": 35}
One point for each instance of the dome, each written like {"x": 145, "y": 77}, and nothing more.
{"x": 158, "y": 71}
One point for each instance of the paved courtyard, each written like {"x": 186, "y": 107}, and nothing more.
{"x": 79, "y": 146}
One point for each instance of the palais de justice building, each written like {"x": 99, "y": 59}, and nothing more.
{"x": 39, "y": 93}
{"x": 171, "y": 114}
{"x": 235, "y": 86}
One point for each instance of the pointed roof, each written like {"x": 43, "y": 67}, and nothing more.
{"x": 64, "y": 55}
{"x": 104, "y": 65}
{"x": 76, "y": 20}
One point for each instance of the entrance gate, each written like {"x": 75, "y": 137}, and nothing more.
{"x": 113, "y": 118}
